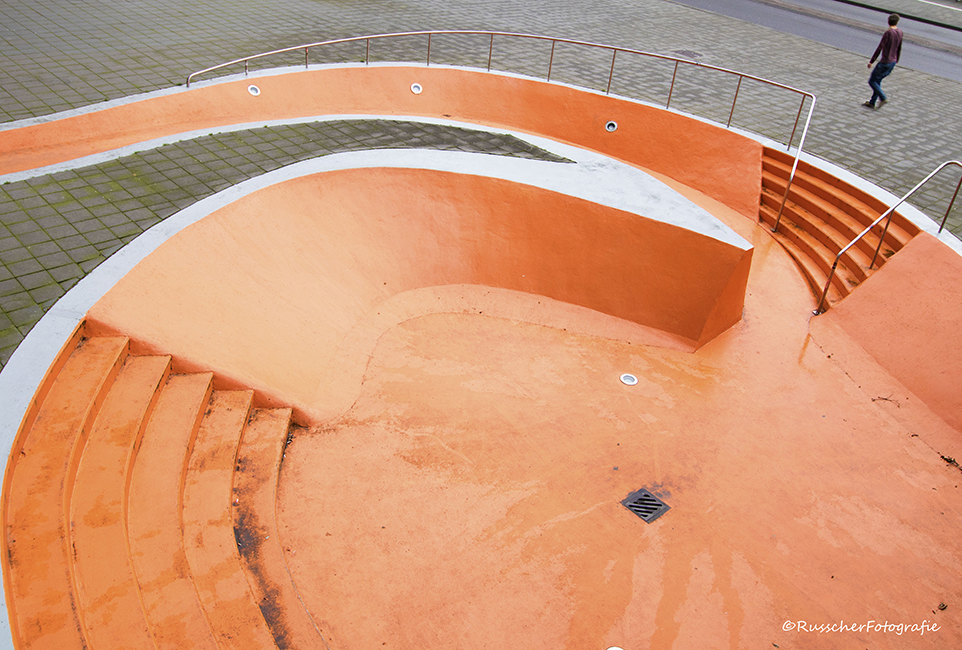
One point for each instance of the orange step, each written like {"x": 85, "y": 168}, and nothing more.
{"x": 851, "y": 199}
{"x": 848, "y": 224}
{"x": 42, "y": 607}
{"x": 827, "y": 234}
{"x": 255, "y": 530}
{"x": 230, "y": 606}
{"x": 107, "y": 595}
{"x": 821, "y": 216}
{"x": 120, "y": 518}
{"x": 173, "y": 610}
{"x": 811, "y": 271}
{"x": 819, "y": 241}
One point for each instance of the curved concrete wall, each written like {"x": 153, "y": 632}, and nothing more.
{"x": 722, "y": 164}
{"x": 307, "y": 260}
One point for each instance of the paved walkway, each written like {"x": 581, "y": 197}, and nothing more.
{"x": 56, "y": 55}
{"x": 946, "y": 13}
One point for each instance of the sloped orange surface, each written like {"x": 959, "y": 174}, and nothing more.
{"x": 471, "y": 496}
{"x": 910, "y": 320}
{"x": 319, "y": 258}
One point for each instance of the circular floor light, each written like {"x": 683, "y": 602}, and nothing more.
{"x": 611, "y": 126}
{"x": 254, "y": 90}
{"x": 416, "y": 88}
{"x": 628, "y": 380}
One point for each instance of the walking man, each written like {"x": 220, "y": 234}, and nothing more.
{"x": 890, "y": 49}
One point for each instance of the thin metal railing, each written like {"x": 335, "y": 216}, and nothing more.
{"x": 887, "y": 217}
{"x": 554, "y": 42}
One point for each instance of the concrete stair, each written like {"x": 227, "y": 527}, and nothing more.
{"x": 139, "y": 511}
{"x": 821, "y": 216}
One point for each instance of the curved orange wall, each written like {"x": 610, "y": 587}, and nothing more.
{"x": 713, "y": 160}
{"x": 274, "y": 282}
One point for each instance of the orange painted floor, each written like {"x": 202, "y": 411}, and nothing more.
{"x": 471, "y": 496}
{"x": 468, "y": 493}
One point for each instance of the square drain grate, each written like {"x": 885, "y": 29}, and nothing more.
{"x": 646, "y": 505}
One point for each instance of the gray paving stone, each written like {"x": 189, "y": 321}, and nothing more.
{"x": 24, "y": 267}
{"x": 9, "y": 287}
{"x": 12, "y": 255}
{"x": 51, "y": 221}
{"x": 92, "y": 263}
{"x": 32, "y": 281}
{"x": 14, "y": 303}
{"x": 45, "y": 295}
{"x": 10, "y": 337}
{"x": 23, "y": 227}
{"x": 43, "y": 249}
{"x": 25, "y": 317}
{"x": 53, "y": 260}
{"x": 72, "y": 243}
{"x": 66, "y": 271}
{"x": 34, "y": 237}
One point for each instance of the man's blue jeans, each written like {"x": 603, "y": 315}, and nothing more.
{"x": 880, "y": 71}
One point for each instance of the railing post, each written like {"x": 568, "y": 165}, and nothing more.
{"x": 367, "y": 53}
{"x": 951, "y": 203}
{"x": 429, "y": 50}
{"x": 795, "y": 128}
{"x": 781, "y": 208}
{"x": 306, "y": 50}
{"x": 611, "y": 73}
{"x": 732, "y": 114}
{"x": 490, "y": 52}
{"x": 828, "y": 283}
{"x": 246, "y": 72}
{"x": 551, "y": 60}
{"x": 798, "y": 155}
{"x": 672, "y": 88}
{"x": 881, "y": 239}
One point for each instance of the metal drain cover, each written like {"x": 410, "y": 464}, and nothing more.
{"x": 646, "y": 505}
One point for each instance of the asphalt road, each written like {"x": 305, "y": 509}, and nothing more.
{"x": 927, "y": 48}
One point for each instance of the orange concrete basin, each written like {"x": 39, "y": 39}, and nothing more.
{"x": 453, "y": 342}
{"x": 461, "y": 486}
{"x": 318, "y": 258}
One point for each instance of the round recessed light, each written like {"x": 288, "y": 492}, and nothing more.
{"x": 611, "y": 126}
{"x": 254, "y": 90}
{"x": 629, "y": 380}
{"x": 416, "y": 88}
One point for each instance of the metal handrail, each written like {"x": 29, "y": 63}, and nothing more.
{"x": 888, "y": 213}
{"x": 554, "y": 41}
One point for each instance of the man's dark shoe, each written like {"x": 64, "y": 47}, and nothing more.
{"x": 881, "y": 103}
{"x": 868, "y": 105}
